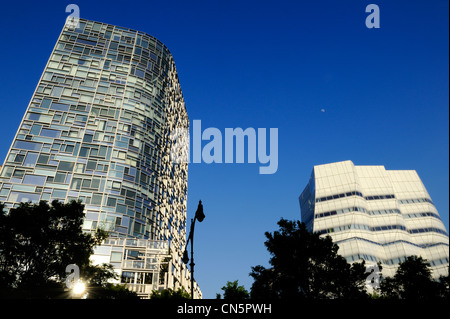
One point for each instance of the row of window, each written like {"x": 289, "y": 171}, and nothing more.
{"x": 348, "y": 194}
{"x": 123, "y": 51}
{"x": 375, "y": 212}
{"x": 389, "y": 196}
{"x": 415, "y": 201}
{"x": 354, "y": 193}
{"x": 376, "y": 197}
{"x": 381, "y": 228}
{"x": 425, "y": 214}
{"x": 125, "y": 36}
{"x": 356, "y": 209}
{"x": 392, "y": 242}
{"x": 428, "y": 229}
{"x": 392, "y": 261}
{"x": 132, "y": 277}
{"x": 360, "y": 226}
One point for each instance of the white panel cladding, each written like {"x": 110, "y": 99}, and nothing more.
{"x": 378, "y": 215}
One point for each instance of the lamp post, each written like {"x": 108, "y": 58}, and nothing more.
{"x": 199, "y": 215}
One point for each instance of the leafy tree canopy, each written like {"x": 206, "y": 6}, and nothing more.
{"x": 181, "y": 293}
{"x": 304, "y": 265}
{"x": 38, "y": 242}
{"x": 232, "y": 291}
{"x": 413, "y": 281}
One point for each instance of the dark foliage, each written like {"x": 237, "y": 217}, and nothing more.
{"x": 232, "y": 291}
{"x": 413, "y": 281}
{"x": 306, "y": 266}
{"x": 38, "y": 241}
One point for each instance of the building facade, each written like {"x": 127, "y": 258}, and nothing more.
{"x": 98, "y": 129}
{"x": 376, "y": 215}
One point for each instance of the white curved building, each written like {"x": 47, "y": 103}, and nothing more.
{"x": 374, "y": 214}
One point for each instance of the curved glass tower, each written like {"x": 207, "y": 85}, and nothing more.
{"x": 98, "y": 129}
{"x": 376, "y": 215}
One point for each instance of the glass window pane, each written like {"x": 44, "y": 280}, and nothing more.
{"x": 23, "y": 197}
{"x": 7, "y": 171}
{"x": 65, "y": 166}
{"x": 88, "y": 138}
{"x": 19, "y": 173}
{"x": 18, "y": 158}
{"x": 91, "y": 165}
{"x": 116, "y": 257}
{"x": 34, "y": 180}
{"x": 45, "y": 103}
{"x": 31, "y": 146}
{"x": 50, "y": 133}
{"x": 36, "y": 129}
{"x": 84, "y": 151}
{"x": 57, "y": 91}
{"x": 60, "y": 107}
{"x": 30, "y": 160}
{"x": 76, "y": 183}
{"x": 43, "y": 159}
{"x": 59, "y": 193}
{"x": 96, "y": 199}
{"x": 60, "y": 177}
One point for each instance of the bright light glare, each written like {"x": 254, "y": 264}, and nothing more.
{"x": 79, "y": 288}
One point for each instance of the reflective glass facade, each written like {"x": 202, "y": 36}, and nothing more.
{"x": 97, "y": 129}
{"x": 376, "y": 215}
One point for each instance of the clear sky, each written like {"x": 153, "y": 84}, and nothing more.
{"x": 335, "y": 90}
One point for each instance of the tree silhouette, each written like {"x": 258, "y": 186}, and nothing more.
{"x": 179, "y": 294}
{"x": 413, "y": 281}
{"x": 38, "y": 242}
{"x": 304, "y": 265}
{"x": 232, "y": 291}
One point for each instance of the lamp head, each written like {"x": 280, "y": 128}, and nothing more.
{"x": 199, "y": 215}
{"x": 185, "y": 257}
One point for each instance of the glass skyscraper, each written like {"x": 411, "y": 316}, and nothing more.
{"x": 98, "y": 128}
{"x": 376, "y": 215}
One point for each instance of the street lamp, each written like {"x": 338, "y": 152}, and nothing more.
{"x": 200, "y": 216}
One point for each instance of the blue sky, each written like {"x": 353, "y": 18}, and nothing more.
{"x": 265, "y": 64}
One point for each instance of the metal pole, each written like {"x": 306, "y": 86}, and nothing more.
{"x": 192, "y": 257}
{"x": 199, "y": 215}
